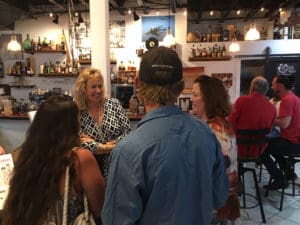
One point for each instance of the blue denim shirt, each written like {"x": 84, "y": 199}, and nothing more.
{"x": 170, "y": 170}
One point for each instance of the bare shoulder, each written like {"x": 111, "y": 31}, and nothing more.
{"x": 84, "y": 155}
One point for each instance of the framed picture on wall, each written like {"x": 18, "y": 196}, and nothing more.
{"x": 189, "y": 75}
{"x": 117, "y": 34}
{"x": 184, "y": 104}
{"x": 157, "y": 26}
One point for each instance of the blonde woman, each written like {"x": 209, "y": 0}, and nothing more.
{"x": 103, "y": 120}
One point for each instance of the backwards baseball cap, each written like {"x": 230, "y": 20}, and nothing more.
{"x": 160, "y": 65}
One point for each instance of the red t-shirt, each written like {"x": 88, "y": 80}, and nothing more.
{"x": 290, "y": 106}
{"x": 252, "y": 112}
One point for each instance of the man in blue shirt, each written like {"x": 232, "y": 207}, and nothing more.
{"x": 170, "y": 170}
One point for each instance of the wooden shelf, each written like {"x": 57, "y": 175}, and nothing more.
{"x": 85, "y": 62}
{"x": 20, "y": 75}
{"x": 61, "y": 75}
{"x": 199, "y": 58}
{"x": 22, "y": 85}
{"x": 44, "y": 51}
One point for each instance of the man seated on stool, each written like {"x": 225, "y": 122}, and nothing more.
{"x": 289, "y": 141}
{"x": 253, "y": 111}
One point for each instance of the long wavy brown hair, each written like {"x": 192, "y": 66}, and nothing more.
{"x": 45, "y": 153}
{"x": 216, "y": 98}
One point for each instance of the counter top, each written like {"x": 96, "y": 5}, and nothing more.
{"x": 15, "y": 116}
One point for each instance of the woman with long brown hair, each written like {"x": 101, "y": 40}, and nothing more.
{"x": 37, "y": 185}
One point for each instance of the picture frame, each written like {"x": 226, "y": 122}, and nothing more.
{"x": 189, "y": 75}
{"x": 185, "y": 104}
{"x": 157, "y": 27}
{"x": 117, "y": 34}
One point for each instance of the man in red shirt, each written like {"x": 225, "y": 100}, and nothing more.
{"x": 289, "y": 122}
{"x": 253, "y": 111}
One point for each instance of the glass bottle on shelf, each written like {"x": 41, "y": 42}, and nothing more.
{"x": 39, "y": 44}
{"x": 27, "y": 43}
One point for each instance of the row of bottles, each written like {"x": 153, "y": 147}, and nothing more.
{"x": 40, "y": 45}
{"x": 60, "y": 68}
{"x": 129, "y": 67}
{"x": 21, "y": 68}
{"x": 213, "y": 51}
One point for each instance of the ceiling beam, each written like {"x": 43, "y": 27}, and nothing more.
{"x": 116, "y": 6}
{"x": 60, "y": 6}
{"x": 225, "y": 14}
{"x": 84, "y": 3}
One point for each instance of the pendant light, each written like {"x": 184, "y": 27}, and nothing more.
{"x": 252, "y": 34}
{"x": 169, "y": 39}
{"x": 234, "y": 46}
{"x": 13, "y": 45}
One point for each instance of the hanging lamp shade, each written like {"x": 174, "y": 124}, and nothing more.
{"x": 252, "y": 34}
{"x": 13, "y": 45}
{"x": 234, "y": 46}
{"x": 169, "y": 39}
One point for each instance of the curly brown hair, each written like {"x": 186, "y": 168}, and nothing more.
{"x": 80, "y": 86}
{"x": 216, "y": 98}
{"x": 44, "y": 155}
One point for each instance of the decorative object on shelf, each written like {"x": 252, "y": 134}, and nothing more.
{"x": 14, "y": 45}
{"x": 27, "y": 43}
{"x": 151, "y": 43}
{"x": 252, "y": 34}
{"x": 169, "y": 39}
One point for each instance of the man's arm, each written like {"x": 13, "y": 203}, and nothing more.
{"x": 283, "y": 122}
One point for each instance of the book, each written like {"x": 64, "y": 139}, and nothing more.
{"x": 6, "y": 168}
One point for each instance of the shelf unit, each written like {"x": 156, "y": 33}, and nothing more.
{"x": 32, "y": 52}
{"x": 199, "y": 58}
{"x": 62, "y": 75}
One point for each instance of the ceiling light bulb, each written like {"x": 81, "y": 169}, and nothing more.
{"x": 157, "y": 12}
{"x": 14, "y": 45}
{"x": 252, "y": 34}
{"x": 51, "y": 14}
{"x": 234, "y": 46}
{"x": 129, "y": 11}
{"x": 185, "y": 13}
{"x": 238, "y": 12}
{"x": 211, "y": 13}
{"x": 262, "y": 9}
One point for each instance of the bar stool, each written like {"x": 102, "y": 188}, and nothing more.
{"x": 251, "y": 138}
{"x": 291, "y": 160}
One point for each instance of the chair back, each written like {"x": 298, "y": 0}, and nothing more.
{"x": 252, "y": 138}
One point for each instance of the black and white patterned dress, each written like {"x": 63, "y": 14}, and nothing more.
{"x": 115, "y": 125}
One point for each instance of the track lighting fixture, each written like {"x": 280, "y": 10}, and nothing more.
{"x": 135, "y": 16}
{"x": 56, "y": 19}
{"x": 80, "y": 19}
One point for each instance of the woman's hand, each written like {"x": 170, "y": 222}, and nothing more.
{"x": 107, "y": 147}
{"x": 85, "y": 138}
{"x": 2, "y": 151}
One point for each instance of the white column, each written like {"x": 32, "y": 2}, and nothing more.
{"x": 99, "y": 22}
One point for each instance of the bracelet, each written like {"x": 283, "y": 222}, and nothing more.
{"x": 104, "y": 148}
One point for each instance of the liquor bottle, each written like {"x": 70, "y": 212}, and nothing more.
{"x": 1, "y": 69}
{"x": 39, "y": 44}
{"x": 27, "y": 43}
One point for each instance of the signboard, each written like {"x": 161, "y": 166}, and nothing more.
{"x": 6, "y": 168}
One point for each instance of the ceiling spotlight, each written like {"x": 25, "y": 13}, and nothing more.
{"x": 129, "y": 11}
{"x": 262, "y": 9}
{"x": 184, "y": 12}
{"x": 51, "y": 14}
{"x": 135, "y": 16}
{"x": 157, "y": 12}
{"x": 211, "y": 13}
{"x": 56, "y": 19}
{"x": 80, "y": 19}
{"x": 238, "y": 12}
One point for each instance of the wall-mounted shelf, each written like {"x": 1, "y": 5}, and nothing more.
{"x": 20, "y": 75}
{"x": 224, "y": 58}
{"x": 22, "y": 85}
{"x": 60, "y": 75}
{"x": 44, "y": 51}
{"x": 85, "y": 62}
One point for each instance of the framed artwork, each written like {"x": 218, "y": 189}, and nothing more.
{"x": 184, "y": 104}
{"x": 189, "y": 75}
{"x": 225, "y": 77}
{"x": 117, "y": 34}
{"x": 157, "y": 26}
{"x": 5, "y": 54}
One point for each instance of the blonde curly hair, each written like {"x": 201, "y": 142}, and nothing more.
{"x": 81, "y": 83}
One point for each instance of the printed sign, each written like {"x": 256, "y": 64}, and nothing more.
{"x": 6, "y": 168}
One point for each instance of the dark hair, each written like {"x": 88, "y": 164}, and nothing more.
{"x": 215, "y": 96}
{"x": 45, "y": 153}
{"x": 287, "y": 80}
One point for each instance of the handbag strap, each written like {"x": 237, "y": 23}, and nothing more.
{"x": 66, "y": 193}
